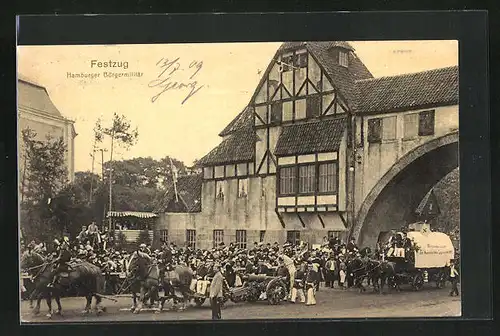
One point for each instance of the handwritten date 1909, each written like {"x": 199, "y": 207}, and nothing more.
{"x": 170, "y": 77}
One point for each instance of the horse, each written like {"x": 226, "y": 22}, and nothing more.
{"x": 382, "y": 273}
{"x": 144, "y": 279}
{"x": 84, "y": 276}
{"x": 357, "y": 272}
{"x": 177, "y": 278}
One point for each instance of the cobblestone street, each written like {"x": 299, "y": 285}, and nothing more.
{"x": 331, "y": 303}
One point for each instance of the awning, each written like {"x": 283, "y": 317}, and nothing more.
{"x": 137, "y": 214}
{"x": 314, "y": 221}
{"x": 333, "y": 221}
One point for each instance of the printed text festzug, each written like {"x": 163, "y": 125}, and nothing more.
{"x": 109, "y": 64}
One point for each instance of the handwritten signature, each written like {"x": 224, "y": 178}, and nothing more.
{"x": 166, "y": 79}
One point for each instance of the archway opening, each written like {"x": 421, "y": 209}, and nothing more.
{"x": 396, "y": 203}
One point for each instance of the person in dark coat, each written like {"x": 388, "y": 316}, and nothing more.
{"x": 230, "y": 275}
{"x": 61, "y": 262}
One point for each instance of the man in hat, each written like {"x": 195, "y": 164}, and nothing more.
{"x": 93, "y": 234}
{"x": 454, "y": 278}
{"x": 60, "y": 263}
{"x": 312, "y": 278}
{"x": 216, "y": 293}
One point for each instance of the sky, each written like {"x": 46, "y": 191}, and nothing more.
{"x": 220, "y": 79}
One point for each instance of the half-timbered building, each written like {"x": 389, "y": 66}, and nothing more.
{"x": 284, "y": 170}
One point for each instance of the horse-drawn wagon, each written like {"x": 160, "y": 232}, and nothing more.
{"x": 425, "y": 259}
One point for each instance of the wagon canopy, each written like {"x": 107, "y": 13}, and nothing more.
{"x": 433, "y": 249}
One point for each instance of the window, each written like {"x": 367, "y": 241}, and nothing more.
{"x": 410, "y": 125}
{"x": 287, "y": 111}
{"x": 276, "y": 111}
{"x": 302, "y": 60}
{"x": 293, "y": 237}
{"x": 313, "y": 106}
{"x": 287, "y": 180}
{"x": 389, "y": 128}
{"x": 164, "y": 236}
{"x": 218, "y": 237}
{"x": 262, "y": 235}
{"x": 374, "y": 130}
{"x": 327, "y": 179}
{"x": 343, "y": 58}
{"x": 426, "y": 123}
{"x": 334, "y": 234}
{"x": 220, "y": 186}
{"x": 242, "y": 187}
{"x": 300, "y": 109}
{"x": 286, "y": 62}
{"x": 191, "y": 238}
{"x": 307, "y": 179}
{"x": 241, "y": 239}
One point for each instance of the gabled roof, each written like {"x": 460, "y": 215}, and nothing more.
{"x": 438, "y": 86}
{"x": 35, "y": 96}
{"x": 189, "y": 193}
{"x": 429, "y": 206}
{"x": 244, "y": 119}
{"x": 238, "y": 147}
{"x": 342, "y": 78}
{"x": 311, "y": 137}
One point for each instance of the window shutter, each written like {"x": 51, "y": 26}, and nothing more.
{"x": 389, "y": 128}
{"x": 426, "y": 123}
{"x": 276, "y": 112}
{"x": 313, "y": 106}
{"x": 374, "y": 130}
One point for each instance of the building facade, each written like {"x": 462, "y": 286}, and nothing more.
{"x": 37, "y": 112}
{"x": 318, "y": 133}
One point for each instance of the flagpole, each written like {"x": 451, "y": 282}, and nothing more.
{"x": 174, "y": 178}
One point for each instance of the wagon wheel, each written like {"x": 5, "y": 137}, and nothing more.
{"x": 199, "y": 301}
{"x": 276, "y": 293}
{"x": 418, "y": 282}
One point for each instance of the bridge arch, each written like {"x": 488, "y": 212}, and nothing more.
{"x": 393, "y": 200}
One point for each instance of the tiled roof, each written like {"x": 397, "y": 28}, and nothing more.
{"x": 238, "y": 147}
{"x": 244, "y": 119}
{"x": 35, "y": 96}
{"x": 343, "y": 78}
{"x": 329, "y": 44}
{"x": 189, "y": 192}
{"x": 438, "y": 86}
{"x": 311, "y": 137}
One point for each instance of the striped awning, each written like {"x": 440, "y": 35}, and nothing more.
{"x": 136, "y": 214}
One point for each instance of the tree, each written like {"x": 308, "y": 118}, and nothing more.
{"x": 45, "y": 175}
{"x": 120, "y": 133}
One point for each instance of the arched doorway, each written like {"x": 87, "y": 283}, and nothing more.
{"x": 393, "y": 200}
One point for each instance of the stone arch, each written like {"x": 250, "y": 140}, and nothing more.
{"x": 392, "y": 201}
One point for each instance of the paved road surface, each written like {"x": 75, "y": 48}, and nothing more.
{"x": 331, "y": 303}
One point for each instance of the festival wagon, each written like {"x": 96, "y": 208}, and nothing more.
{"x": 426, "y": 259}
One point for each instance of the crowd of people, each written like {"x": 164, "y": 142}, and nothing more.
{"x": 307, "y": 266}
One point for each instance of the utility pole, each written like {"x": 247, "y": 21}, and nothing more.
{"x": 111, "y": 182}
{"x": 92, "y": 175}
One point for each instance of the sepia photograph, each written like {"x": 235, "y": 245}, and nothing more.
{"x": 238, "y": 181}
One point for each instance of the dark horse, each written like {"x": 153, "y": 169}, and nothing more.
{"x": 84, "y": 276}
{"x": 379, "y": 273}
{"x": 144, "y": 278}
{"x": 176, "y": 279}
